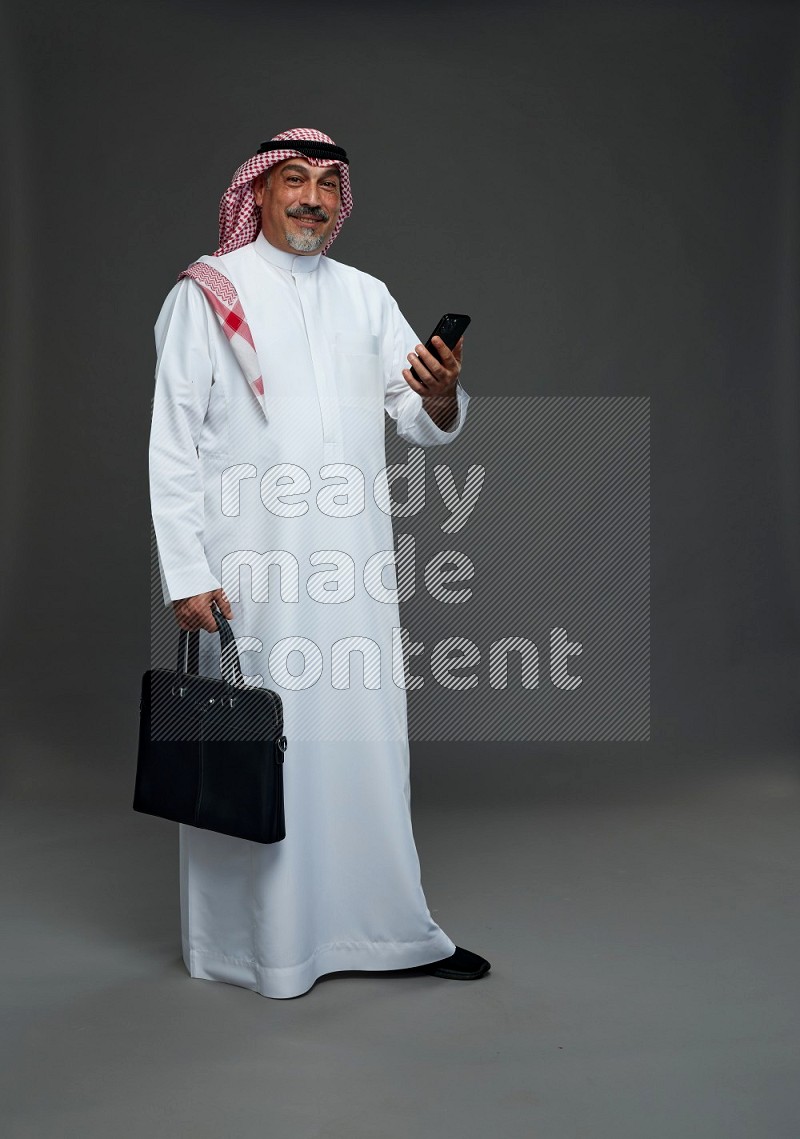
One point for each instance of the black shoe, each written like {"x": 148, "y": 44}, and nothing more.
{"x": 460, "y": 966}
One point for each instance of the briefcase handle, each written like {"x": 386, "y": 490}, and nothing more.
{"x": 189, "y": 653}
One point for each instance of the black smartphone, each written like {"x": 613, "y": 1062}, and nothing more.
{"x": 451, "y": 328}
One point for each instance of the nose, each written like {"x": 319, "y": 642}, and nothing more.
{"x": 310, "y": 195}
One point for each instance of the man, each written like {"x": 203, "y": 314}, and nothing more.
{"x": 267, "y": 459}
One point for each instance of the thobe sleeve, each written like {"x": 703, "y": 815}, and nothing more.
{"x": 182, "y": 388}
{"x": 401, "y": 402}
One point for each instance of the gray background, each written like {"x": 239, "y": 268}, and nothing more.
{"x": 612, "y": 192}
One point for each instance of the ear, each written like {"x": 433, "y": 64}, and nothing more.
{"x": 258, "y": 189}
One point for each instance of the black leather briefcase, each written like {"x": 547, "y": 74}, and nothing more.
{"x": 211, "y": 751}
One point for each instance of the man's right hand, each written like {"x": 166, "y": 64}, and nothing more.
{"x": 193, "y": 613}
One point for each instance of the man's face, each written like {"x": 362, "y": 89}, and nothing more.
{"x": 299, "y": 206}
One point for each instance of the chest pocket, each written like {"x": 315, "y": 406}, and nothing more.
{"x": 359, "y": 377}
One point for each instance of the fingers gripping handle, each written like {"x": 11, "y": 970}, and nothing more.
{"x": 189, "y": 652}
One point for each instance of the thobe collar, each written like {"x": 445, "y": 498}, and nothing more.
{"x": 292, "y": 262}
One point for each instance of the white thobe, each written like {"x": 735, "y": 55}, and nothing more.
{"x": 343, "y": 889}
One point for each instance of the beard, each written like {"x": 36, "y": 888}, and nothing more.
{"x": 305, "y": 243}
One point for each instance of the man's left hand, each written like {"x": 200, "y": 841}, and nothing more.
{"x": 436, "y": 377}
{"x": 437, "y": 381}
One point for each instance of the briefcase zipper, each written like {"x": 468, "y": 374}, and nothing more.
{"x": 230, "y": 701}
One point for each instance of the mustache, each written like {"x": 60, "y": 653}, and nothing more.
{"x": 315, "y": 212}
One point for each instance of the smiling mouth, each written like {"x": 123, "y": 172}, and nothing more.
{"x": 307, "y": 219}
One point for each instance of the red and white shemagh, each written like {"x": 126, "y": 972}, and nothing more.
{"x": 224, "y": 300}
{"x": 239, "y": 224}
{"x": 239, "y": 216}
